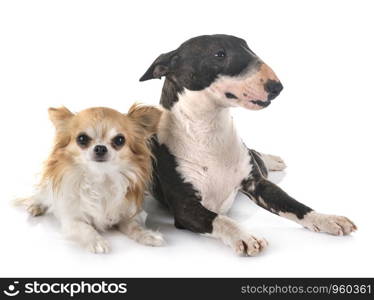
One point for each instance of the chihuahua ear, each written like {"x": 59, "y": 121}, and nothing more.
{"x": 147, "y": 117}
{"x": 59, "y": 116}
{"x": 160, "y": 67}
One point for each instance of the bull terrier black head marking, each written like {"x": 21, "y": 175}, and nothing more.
{"x": 222, "y": 63}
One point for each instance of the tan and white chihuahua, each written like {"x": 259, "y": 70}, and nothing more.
{"x": 97, "y": 173}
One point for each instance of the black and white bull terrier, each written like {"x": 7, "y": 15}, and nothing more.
{"x": 200, "y": 161}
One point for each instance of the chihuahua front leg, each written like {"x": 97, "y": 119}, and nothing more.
{"x": 86, "y": 235}
{"x": 138, "y": 233}
{"x": 269, "y": 196}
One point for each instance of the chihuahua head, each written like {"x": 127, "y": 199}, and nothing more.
{"x": 102, "y": 137}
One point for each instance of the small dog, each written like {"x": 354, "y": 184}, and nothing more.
{"x": 201, "y": 161}
{"x": 97, "y": 173}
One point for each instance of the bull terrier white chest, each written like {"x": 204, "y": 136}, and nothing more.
{"x": 209, "y": 154}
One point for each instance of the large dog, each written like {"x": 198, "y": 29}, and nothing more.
{"x": 200, "y": 161}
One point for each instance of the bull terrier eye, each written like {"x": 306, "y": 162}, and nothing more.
{"x": 220, "y": 54}
{"x": 83, "y": 139}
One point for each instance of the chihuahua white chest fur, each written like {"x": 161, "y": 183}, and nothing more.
{"x": 95, "y": 194}
{"x": 207, "y": 148}
{"x": 102, "y": 197}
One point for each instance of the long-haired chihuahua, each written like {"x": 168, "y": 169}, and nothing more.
{"x": 97, "y": 173}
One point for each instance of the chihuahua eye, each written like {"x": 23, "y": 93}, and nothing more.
{"x": 83, "y": 139}
{"x": 118, "y": 141}
{"x": 220, "y": 54}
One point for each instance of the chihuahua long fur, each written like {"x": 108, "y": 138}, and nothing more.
{"x": 97, "y": 173}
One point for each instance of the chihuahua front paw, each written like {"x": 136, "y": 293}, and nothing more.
{"x": 151, "y": 238}
{"x": 98, "y": 246}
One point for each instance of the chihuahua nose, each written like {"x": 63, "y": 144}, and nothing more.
{"x": 100, "y": 150}
{"x": 273, "y": 88}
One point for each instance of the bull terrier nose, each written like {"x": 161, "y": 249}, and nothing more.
{"x": 273, "y": 88}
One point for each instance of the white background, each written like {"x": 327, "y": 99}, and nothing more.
{"x": 89, "y": 53}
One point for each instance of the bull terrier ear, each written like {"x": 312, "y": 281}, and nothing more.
{"x": 160, "y": 67}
